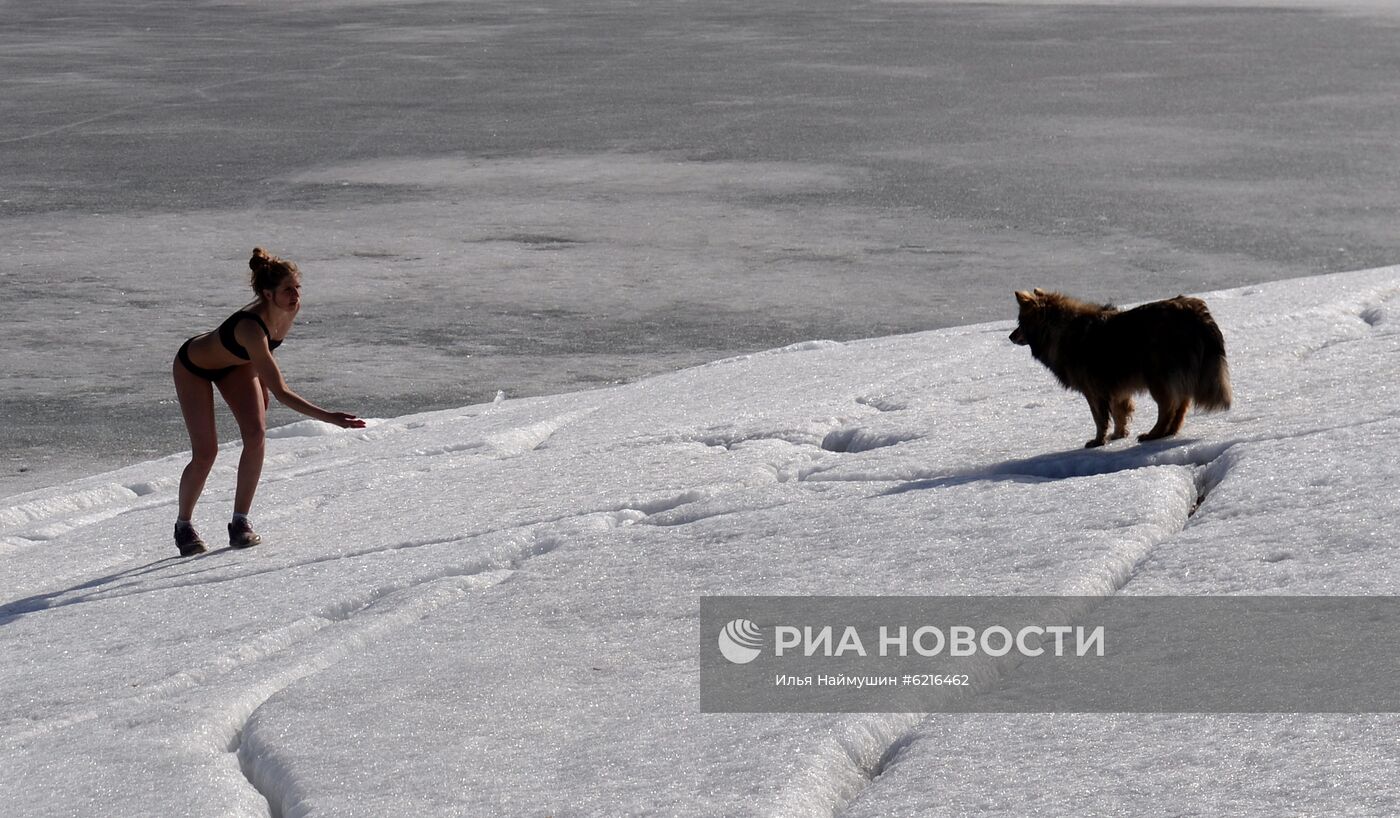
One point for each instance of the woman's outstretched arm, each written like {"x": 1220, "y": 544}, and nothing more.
{"x": 253, "y": 339}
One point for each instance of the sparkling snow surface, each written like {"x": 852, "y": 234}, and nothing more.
{"x": 493, "y": 610}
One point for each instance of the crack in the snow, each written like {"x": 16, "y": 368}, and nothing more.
{"x": 1207, "y": 472}
{"x": 263, "y": 773}
{"x": 487, "y": 569}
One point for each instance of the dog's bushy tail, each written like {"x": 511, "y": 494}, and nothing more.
{"x": 1212, "y": 392}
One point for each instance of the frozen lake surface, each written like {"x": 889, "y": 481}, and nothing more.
{"x": 490, "y": 197}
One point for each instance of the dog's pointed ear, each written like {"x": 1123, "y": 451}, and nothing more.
{"x": 1041, "y": 292}
{"x": 1023, "y": 297}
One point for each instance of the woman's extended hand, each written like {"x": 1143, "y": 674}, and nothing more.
{"x": 344, "y": 420}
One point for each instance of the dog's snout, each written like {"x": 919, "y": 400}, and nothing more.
{"x": 1017, "y": 337}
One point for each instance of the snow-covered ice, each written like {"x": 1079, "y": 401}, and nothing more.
{"x": 493, "y": 610}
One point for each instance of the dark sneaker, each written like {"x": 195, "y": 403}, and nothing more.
{"x": 241, "y": 535}
{"x": 187, "y": 540}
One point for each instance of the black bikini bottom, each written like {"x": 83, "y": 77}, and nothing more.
{"x": 210, "y": 375}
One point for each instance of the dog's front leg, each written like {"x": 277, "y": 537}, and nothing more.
{"x": 1098, "y": 404}
{"x": 1122, "y": 413}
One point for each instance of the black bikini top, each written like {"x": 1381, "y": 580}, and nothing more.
{"x": 231, "y": 342}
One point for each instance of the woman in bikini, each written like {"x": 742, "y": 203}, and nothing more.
{"x": 237, "y": 358}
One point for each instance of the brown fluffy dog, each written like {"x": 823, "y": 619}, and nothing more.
{"x": 1171, "y": 349}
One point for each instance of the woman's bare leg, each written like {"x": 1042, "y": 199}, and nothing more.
{"x": 196, "y": 397}
{"x": 244, "y": 395}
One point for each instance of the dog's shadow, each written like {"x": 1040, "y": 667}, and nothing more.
{"x": 1077, "y": 463}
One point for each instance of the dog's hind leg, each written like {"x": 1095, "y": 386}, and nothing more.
{"x": 1122, "y": 413}
{"x": 1178, "y": 417}
{"x": 1167, "y": 413}
{"x": 1099, "y": 405}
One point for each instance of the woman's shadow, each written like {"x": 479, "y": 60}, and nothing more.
{"x": 97, "y": 589}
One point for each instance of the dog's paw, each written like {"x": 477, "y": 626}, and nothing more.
{"x": 1094, "y": 444}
